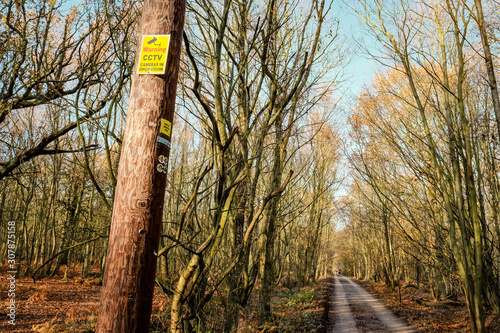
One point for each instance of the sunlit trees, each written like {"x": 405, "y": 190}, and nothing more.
{"x": 423, "y": 133}
{"x": 237, "y": 57}
{"x": 59, "y": 68}
{"x": 251, "y": 194}
{"x": 65, "y": 71}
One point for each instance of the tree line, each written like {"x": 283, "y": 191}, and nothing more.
{"x": 423, "y": 205}
{"x": 253, "y": 174}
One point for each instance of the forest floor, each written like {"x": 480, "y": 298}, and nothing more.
{"x": 416, "y": 307}
{"x": 51, "y": 305}
{"x": 71, "y": 305}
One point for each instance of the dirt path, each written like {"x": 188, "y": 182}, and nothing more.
{"x": 354, "y": 310}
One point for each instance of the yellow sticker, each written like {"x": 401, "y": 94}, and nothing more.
{"x": 153, "y": 57}
{"x": 165, "y": 127}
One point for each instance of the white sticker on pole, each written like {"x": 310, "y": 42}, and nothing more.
{"x": 153, "y": 57}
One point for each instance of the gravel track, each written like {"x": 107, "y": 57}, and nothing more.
{"x": 354, "y": 310}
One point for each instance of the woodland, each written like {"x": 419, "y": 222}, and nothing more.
{"x": 277, "y": 176}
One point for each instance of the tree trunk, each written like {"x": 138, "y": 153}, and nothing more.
{"x": 127, "y": 294}
{"x": 492, "y": 81}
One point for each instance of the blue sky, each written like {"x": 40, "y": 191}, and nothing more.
{"x": 361, "y": 69}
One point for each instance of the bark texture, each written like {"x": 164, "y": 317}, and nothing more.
{"x": 126, "y": 297}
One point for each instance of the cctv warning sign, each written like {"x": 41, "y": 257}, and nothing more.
{"x": 154, "y": 51}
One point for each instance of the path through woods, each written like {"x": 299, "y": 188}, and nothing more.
{"x": 354, "y": 310}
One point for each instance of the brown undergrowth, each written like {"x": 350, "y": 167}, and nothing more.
{"x": 51, "y": 305}
{"x": 71, "y": 305}
{"x": 294, "y": 310}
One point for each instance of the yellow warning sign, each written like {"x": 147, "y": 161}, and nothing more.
{"x": 165, "y": 127}
{"x": 153, "y": 57}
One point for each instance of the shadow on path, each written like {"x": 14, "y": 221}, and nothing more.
{"x": 351, "y": 309}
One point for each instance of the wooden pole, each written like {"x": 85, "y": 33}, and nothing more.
{"x": 127, "y": 293}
